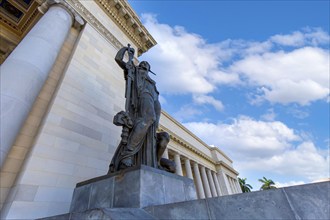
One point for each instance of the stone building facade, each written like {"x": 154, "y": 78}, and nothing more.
{"x": 60, "y": 88}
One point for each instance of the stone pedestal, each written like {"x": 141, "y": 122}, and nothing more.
{"x": 133, "y": 188}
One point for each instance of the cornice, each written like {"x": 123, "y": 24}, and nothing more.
{"x": 221, "y": 163}
{"x": 221, "y": 152}
{"x": 124, "y": 16}
{"x": 95, "y": 23}
{"x": 183, "y": 143}
{"x": 194, "y": 136}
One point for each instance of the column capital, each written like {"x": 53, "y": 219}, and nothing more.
{"x": 177, "y": 153}
{"x": 78, "y": 21}
{"x": 188, "y": 168}
{"x": 177, "y": 160}
{"x": 195, "y": 163}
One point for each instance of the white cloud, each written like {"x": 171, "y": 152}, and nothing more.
{"x": 270, "y": 115}
{"x": 246, "y": 136}
{"x": 185, "y": 63}
{"x": 187, "y": 112}
{"x": 305, "y": 161}
{"x": 295, "y": 39}
{"x": 265, "y": 147}
{"x": 162, "y": 100}
{"x": 300, "y": 76}
{"x": 290, "y": 183}
{"x": 298, "y": 113}
{"x": 309, "y": 36}
{"x": 205, "y": 99}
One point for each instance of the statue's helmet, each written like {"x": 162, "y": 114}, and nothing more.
{"x": 145, "y": 65}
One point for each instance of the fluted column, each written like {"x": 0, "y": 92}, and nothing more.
{"x": 205, "y": 183}
{"x": 177, "y": 161}
{"x": 188, "y": 168}
{"x": 212, "y": 186}
{"x": 216, "y": 182}
{"x": 25, "y": 71}
{"x": 223, "y": 183}
{"x": 238, "y": 186}
{"x": 232, "y": 187}
{"x": 198, "y": 180}
{"x": 165, "y": 154}
{"x": 227, "y": 183}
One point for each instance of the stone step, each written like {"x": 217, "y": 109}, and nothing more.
{"x": 106, "y": 214}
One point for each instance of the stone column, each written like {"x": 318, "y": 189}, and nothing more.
{"x": 232, "y": 187}
{"x": 205, "y": 183}
{"x": 223, "y": 183}
{"x": 238, "y": 186}
{"x": 165, "y": 154}
{"x": 178, "y": 164}
{"x": 199, "y": 184}
{"x": 217, "y": 185}
{"x": 227, "y": 183}
{"x": 188, "y": 168}
{"x": 212, "y": 186}
{"x": 26, "y": 69}
{"x": 235, "y": 185}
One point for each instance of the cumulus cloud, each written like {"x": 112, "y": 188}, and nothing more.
{"x": 246, "y": 136}
{"x": 205, "y": 99}
{"x": 187, "y": 112}
{"x": 265, "y": 146}
{"x": 309, "y": 36}
{"x": 290, "y": 183}
{"x": 297, "y": 113}
{"x": 295, "y": 39}
{"x": 270, "y": 115}
{"x": 184, "y": 61}
{"x": 300, "y": 76}
{"x": 187, "y": 64}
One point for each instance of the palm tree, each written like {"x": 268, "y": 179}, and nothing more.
{"x": 267, "y": 184}
{"x": 244, "y": 186}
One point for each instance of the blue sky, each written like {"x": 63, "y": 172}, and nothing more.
{"x": 251, "y": 77}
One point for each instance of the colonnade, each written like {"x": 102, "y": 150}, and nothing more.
{"x": 209, "y": 183}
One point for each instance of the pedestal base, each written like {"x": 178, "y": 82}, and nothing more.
{"x": 137, "y": 187}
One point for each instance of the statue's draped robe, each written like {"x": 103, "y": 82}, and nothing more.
{"x": 145, "y": 153}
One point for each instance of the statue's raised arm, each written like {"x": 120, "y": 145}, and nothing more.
{"x": 120, "y": 56}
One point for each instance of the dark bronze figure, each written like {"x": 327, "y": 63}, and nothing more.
{"x": 140, "y": 119}
{"x": 163, "y": 138}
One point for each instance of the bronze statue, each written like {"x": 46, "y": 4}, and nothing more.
{"x": 140, "y": 119}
